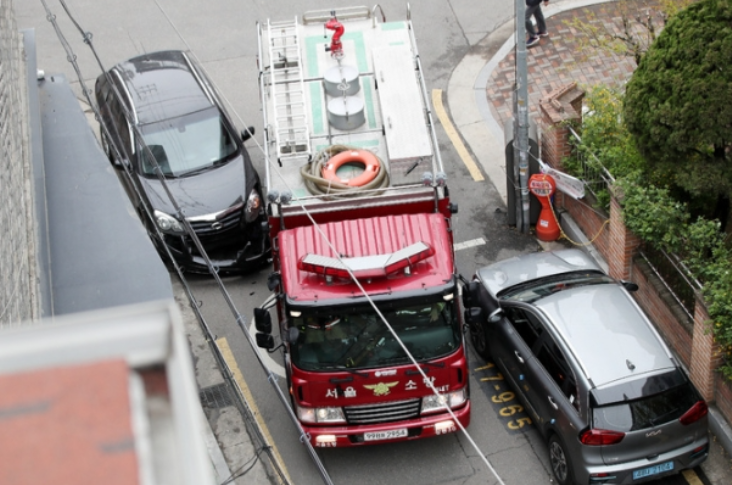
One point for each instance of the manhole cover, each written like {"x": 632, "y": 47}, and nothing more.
{"x": 215, "y": 396}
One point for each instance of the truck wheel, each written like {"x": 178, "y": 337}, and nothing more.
{"x": 479, "y": 337}
{"x": 560, "y": 461}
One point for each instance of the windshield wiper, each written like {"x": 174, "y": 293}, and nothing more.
{"x": 196, "y": 171}
{"x": 343, "y": 367}
{"x": 438, "y": 365}
{"x": 660, "y": 419}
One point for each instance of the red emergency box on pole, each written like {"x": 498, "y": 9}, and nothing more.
{"x": 543, "y": 187}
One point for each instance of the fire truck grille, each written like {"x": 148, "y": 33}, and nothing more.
{"x": 384, "y": 412}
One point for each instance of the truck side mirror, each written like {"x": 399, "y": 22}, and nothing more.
{"x": 262, "y": 320}
{"x": 273, "y": 281}
{"x": 265, "y": 341}
{"x": 470, "y": 297}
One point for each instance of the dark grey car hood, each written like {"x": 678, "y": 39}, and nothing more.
{"x": 203, "y": 193}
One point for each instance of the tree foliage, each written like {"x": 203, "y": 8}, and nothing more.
{"x": 678, "y": 103}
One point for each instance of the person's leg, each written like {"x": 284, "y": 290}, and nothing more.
{"x": 540, "y": 22}
{"x": 529, "y": 26}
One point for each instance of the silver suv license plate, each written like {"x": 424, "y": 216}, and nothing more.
{"x": 385, "y": 435}
{"x": 653, "y": 470}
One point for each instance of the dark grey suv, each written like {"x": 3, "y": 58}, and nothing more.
{"x": 165, "y": 102}
{"x": 599, "y": 383}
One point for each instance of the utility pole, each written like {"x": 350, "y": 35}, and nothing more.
{"x": 521, "y": 123}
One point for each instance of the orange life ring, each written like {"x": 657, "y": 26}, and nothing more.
{"x": 368, "y": 159}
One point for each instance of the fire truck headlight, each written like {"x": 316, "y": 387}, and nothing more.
{"x": 321, "y": 415}
{"x": 433, "y": 403}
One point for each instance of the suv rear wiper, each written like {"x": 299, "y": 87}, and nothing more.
{"x": 660, "y": 419}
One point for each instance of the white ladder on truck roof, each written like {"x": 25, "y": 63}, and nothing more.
{"x": 287, "y": 89}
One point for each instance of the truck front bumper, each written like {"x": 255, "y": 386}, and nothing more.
{"x": 413, "y": 429}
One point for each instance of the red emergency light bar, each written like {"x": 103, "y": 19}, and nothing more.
{"x": 365, "y": 267}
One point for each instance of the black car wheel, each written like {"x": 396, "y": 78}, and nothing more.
{"x": 561, "y": 464}
{"x": 106, "y": 147}
{"x": 479, "y": 337}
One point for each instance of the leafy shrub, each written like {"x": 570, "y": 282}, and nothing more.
{"x": 653, "y": 214}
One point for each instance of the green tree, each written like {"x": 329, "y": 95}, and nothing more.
{"x": 678, "y": 103}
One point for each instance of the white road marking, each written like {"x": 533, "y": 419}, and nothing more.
{"x": 469, "y": 244}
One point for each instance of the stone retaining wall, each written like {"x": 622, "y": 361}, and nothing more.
{"x": 19, "y": 294}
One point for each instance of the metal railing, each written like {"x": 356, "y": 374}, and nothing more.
{"x": 675, "y": 277}
{"x": 593, "y": 173}
{"x": 673, "y": 274}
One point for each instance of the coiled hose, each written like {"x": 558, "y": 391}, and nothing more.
{"x": 317, "y": 185}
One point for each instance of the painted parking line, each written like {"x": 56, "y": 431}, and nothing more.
{"x": 468, "y": 244}
{"x": 454, "y": 136}
{"x": 505, "y": 402}
{"x": 228, "y": 356}
{"x": 691, "y": 477}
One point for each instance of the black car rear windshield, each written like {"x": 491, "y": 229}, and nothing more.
{"x": 646, "y": 412}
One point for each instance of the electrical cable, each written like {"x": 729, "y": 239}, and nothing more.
{"x": 409, "y": 355}
{"x": 214, "y": 272}
{"x": 241, "y": 472}
{"x": 71, "y": 57}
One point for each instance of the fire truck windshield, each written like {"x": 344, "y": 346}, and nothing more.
{"x": 359, "y": 339}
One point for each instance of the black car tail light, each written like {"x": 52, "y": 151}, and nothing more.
{"x": 695, "y": 413}
{"x": 601, "y": 437}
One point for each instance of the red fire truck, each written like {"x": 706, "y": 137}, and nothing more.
{"x": 360, "y": 224}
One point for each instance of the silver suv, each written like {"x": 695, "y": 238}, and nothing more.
{"x": 601, "y": 386}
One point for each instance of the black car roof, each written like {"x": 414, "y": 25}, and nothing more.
{"x": 162, "y": 86}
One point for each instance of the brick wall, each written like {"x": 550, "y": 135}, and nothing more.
{"x": 592, "y": 223}
{"x": 19, "y": 295}
{"x": 690, "y": 340}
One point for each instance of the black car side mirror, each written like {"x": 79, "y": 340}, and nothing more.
{"x": 629, "y": 285}
{"x": 247, "y": 134}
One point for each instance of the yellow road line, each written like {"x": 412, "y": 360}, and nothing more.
{"x": 454, "y": 136}
{"x": 691, "y": 477}
{"x": 228, "y": 356}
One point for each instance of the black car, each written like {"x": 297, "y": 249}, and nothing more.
{"x": 162, "y": 106}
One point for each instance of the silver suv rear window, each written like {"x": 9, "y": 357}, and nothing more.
{"x": 646, "y": 412}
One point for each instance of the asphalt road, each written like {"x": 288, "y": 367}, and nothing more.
{"x": 222, "y": 35}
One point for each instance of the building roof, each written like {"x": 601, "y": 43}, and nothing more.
{"x": 101, "y": 397}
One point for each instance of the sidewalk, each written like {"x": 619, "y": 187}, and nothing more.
{"x": 480, "y": 94}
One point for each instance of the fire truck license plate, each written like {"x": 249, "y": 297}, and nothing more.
{"x": 385, "y": 435}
